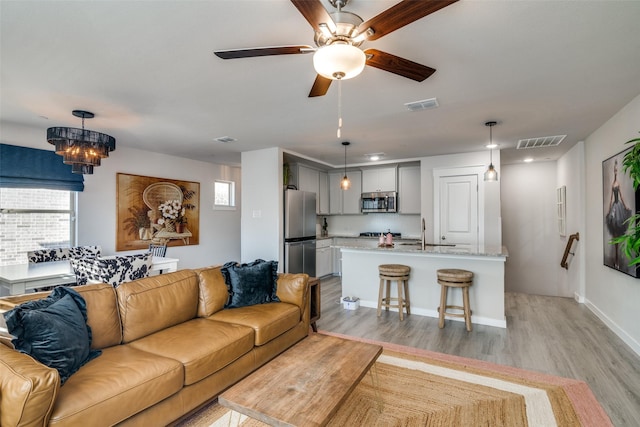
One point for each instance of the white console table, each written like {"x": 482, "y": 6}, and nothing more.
{"x": 18, "y": 279}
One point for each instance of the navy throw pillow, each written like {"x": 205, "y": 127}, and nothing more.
{"x": 252, "y": 283}
{"x": 53, "y": 331}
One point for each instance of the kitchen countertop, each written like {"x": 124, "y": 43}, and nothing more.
{"x": 441, "y": 250}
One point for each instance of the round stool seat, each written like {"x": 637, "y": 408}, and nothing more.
{"x": 394, "y": 269}
{"x": 454, "y": 275}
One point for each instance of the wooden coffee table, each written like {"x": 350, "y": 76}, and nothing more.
{"x": 306, "y": 384}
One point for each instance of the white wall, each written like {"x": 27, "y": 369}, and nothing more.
{"x": 612, "y": 295}
{"x": 489, "y": 204}
{"x": 346, "y": 225}
{"x": 262, "y": 206}
{"x": 571, "y": 174}
{"x": 219, "y": 230}
{"x": 530, "y": 230}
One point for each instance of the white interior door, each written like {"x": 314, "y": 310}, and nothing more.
{"x": 459, "y": 209}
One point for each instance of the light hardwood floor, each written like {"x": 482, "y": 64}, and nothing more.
{"x": 552, "y": 335}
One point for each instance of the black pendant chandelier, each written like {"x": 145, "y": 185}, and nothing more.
{"x": 80, "y": 148}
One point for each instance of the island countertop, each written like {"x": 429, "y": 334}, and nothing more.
{"x": 415, "y": 249}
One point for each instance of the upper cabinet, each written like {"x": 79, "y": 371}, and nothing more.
{"x": 309, "y": 179}
{"x": 345, "y": 201}
{"x": 409, "y": 190}
{"x": 379, "y": 179}
{"x": 323, "y": 193}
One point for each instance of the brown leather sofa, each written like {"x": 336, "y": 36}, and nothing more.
{"x": 168, "y": 346}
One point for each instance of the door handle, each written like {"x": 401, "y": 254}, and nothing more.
{"x": 443, "y": 238}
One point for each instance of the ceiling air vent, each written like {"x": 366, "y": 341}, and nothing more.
{"x": 224, "y": 139}
{"x": 425, "y": 104}
{"x": 543, "y": 141}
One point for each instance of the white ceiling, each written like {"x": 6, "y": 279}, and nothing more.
{"x": 147, "y": 70}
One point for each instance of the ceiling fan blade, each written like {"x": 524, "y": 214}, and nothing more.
{"x": 263, "y": 51}
{"x": 401, "y": 14}
{"x": 315, "y": 13}
{"x": 395, "y": 64}
{"x": 320, "y": 86}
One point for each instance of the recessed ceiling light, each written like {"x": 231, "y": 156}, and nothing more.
{"x": 494, "y": 145}
{"x": 225, "y": 139}
{"x": 374, "y": 156}
{"x": 528, "y": 160}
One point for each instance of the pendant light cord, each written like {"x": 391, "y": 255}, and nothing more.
{"x": 339, "y": 133}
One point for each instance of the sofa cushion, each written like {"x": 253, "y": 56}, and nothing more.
{"x": 155, "y": 303}
{"x": 54, "y": 331}
{"x": 213, "y": 291}
{"x": 201, "y": 345}
{"x": 267, "y": 320}
{"x": 252, "y": 283}
{"x": 115, "y": 386}
{"x": 102, "y": 314}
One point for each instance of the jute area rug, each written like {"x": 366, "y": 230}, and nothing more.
{"x": 412, "y": 387}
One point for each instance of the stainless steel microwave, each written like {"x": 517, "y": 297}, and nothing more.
{"x": 379, "y": 202}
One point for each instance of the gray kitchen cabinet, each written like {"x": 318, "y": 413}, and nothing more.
{"x": 379, "y": 179}
{"x": 409, "y": 190}
{"x": 324, "y": 257}
{"x": 310, "y": 179}
{"x": 323, "y": 193}
{"x": 341, "y": 201}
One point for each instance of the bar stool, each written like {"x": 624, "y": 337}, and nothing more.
{"x": 455, "y": 278}
{"x": 400, "y": 274}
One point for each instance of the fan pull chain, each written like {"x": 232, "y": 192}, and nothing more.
{"x": 339, "y": 133}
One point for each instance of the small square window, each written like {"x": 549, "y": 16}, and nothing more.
{"x": 225, "y": 195}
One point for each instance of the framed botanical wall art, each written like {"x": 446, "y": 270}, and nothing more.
{"x": 620, "y": 201}
{"x": 157, "y": 210}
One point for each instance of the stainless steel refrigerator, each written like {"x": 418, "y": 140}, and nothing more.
{"x": 300, "y": 232}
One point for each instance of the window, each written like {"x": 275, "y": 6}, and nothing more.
{"x": 33, "y": 219}
{"x": 225, "y": 195}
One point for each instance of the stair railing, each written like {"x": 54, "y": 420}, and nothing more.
{"x": 567, "y": 250}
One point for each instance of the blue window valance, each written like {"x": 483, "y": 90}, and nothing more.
{"x": 23, "y": 167}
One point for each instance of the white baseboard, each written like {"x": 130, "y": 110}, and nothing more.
{"x": 624, "y": 336}
{"x": 579, "y": 298}
{"x": 476, "y": 320}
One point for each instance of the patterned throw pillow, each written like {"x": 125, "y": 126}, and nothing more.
{"x": 120, "y": 269}
{"x": 252, "y": 283}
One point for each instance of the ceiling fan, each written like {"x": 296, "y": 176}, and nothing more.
{"x": 338, "y": 36}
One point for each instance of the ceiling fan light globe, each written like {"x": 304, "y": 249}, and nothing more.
{"x": 339, "y": 61}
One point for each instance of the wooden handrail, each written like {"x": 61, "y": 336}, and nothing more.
{"x": 573, "y": 237}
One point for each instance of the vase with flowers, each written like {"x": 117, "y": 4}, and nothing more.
{"x": 173, "y": 215}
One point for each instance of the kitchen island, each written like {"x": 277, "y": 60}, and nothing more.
{"x": 360, "y": 277}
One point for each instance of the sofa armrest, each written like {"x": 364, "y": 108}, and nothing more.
{"x": 28, "y": 389}
{"x": 294, "y": 289}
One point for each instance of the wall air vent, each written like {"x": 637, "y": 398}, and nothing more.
{"x": 540, "y": 142}
{"x": 425, "y": 104}
{"x": 225, "y": 139}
